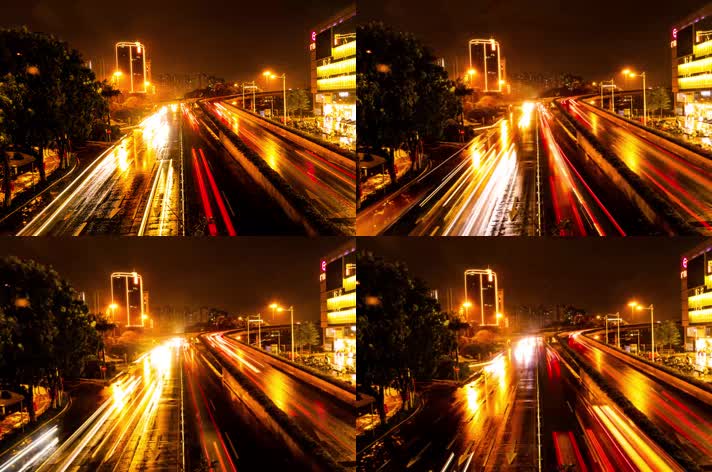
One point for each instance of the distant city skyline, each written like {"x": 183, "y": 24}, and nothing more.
{"x": 547, "y": 36}
{"x": 241, "y": 275}
{"x": 236, "y": 41}
{"x": 600, "y": 275}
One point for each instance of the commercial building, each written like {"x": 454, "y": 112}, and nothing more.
{"x": 131, "y": 74}
{"x": 332, "y": 55}
{"x": 337, "y": 281}
{"x": 483, "y": 298}
{"x": 486, "y": 60}
{"x": 691, "y": 46}
{"x": 128, "y": 300}
{"x": 696, "y": 281}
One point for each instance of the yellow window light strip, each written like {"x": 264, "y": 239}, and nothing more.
{"x": 700, "y": 316}
{"x": 342, "y": 317}
{"x": 695, "y": 67}
{"x": 703, "y": 299}
{"x": 349, "y": 283}
{"x": 345, "y": 50}
{"x": 697, "y": 81}
{"x": 337, "y": 68}
{"x": 342, "y": 301}
{"x": 703, "y": 49}
{"x": 344, "y": 82}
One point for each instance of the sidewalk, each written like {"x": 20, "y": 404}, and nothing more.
{"x": 368, "y": 421}
{"x": 18, "y": 419}
{"x": 28, "y": 180}
{"x": 378, "y": 182}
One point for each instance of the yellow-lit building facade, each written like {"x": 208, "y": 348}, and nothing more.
{"x": 696, "y": 281}
{"x": 337, "y": 281}
{"x": 332, "y": 54}
{"x": 691, "y": 46}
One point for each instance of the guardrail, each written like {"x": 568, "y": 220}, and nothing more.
{"x": 326, "y": 149}
{"x": 263, "y": 406}
{"x": 656, "y": 210}
{"x": 638, "y": 417}
{"x": 297, "y": 207}
{"x": 342, "y": 391}
{"x": 702, "y": 394}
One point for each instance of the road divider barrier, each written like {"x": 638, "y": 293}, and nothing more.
{"x": 655, "y": 210}
{"x": 297, "y": 207}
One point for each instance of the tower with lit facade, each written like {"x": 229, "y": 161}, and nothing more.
{"x": 131, "y": 73}
{"x": 332, "y": 57}
{"x": 337, "y": 281}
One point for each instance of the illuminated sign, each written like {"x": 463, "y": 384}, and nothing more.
{"x": 312, "y": 47}
{"x": 674, "y": 33}
{"x": 322, "y": 277}
{"x": 684, "y": 262}
{"x": 683, "y": 274}
{"x": 323, "y": 266}
{"x": 313, "y": 36}
{"x": 709, "y": 267}
{"x": 706, "y": 93}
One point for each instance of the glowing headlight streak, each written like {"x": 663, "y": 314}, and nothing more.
{"x": 167, "y": 192}
{"x": 644, "y": 458}
{"x": 43, "y": 438}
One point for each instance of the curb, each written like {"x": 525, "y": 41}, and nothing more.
{"x": 420, "y": 406}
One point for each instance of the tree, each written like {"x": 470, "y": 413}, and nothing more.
{"x": 403, "y": 96}
{"x": 62, "y": 98}
{"x": 305, "y": 334}
{"x": 457, "y": 326}
{"x": 298, "y": 101}
{"x": 401, "y": 332}
{"x": 658, "y": 100}
{"x": 13, "y": 113}
{"x": 667, "y": 334}
{"x": 46, "y": 328}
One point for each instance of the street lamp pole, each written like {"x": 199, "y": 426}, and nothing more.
{"x": 291, "y": 322}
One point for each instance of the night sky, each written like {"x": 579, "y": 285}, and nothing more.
{"x": 241, "y": 275}
{"x": 600, "y": 275}
{"x": 235, "y": 40}
{"x": 595, "y": 39}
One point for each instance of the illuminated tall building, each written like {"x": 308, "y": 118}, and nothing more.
{"x": 691, "y": 49}
{"x": 337, "y": 281}
{"x": 485, "y": 58}
{"x": 128, "y": 299}
{"x": 483, "y": 295}
{"x": 131, "y": 70}
{"x": 332, "y": 55}
{"x": 696, "y": 282}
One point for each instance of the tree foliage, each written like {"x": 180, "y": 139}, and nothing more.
{"x": 658, "y": 100}
{"x": 403, "y": 96}
{"x": 46, "y": 331}
{"x": 305, "y": 334}
{"x": 402, "y": 334}
{"x": 298, "y": 101}
{"x": 667, "y": 334}
{"x": 61, "y": 97}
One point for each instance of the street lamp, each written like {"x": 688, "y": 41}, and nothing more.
{"x": 284, "y": 91}
{"x": 652, "y": 328}
{"x": 491, "y": 275}
{"x": 499, "y": 317}
{"x": 291, "y": 322}
{"x": 628, "y": 73}
{"x": 617, "y": 319}
{"x": 471, "y": 73}
{"x": 611, "y": 84}
{"x": 633, "y": 305}
{"x": 466, "y": 305}
{"x": 267, "y": 75}
{"x": 274, "y": 306}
